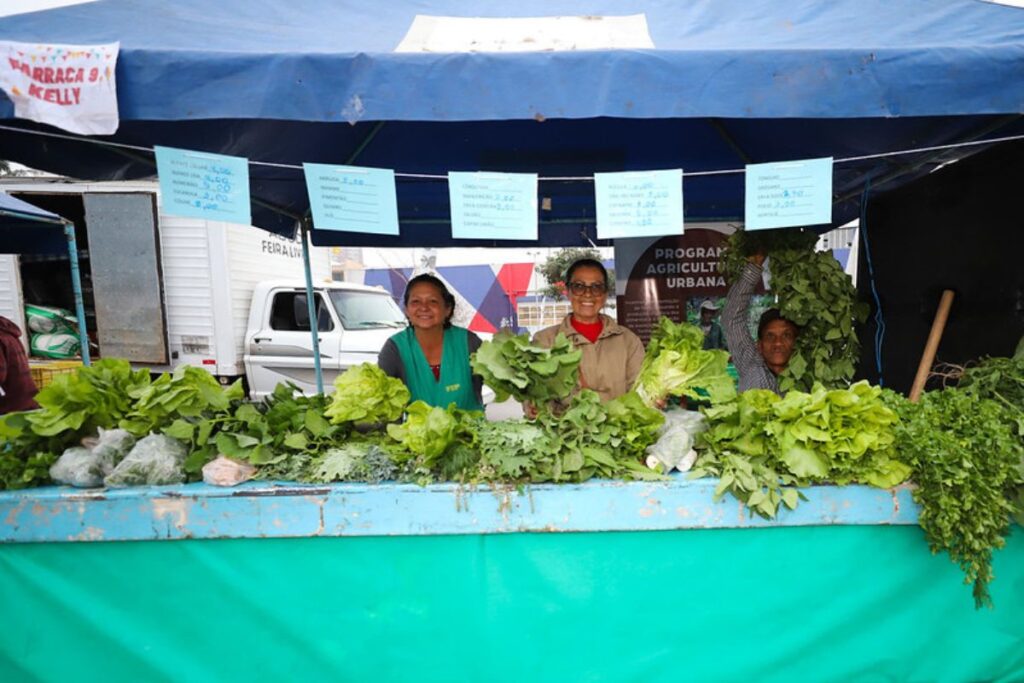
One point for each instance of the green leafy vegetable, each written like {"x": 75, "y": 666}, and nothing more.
{"x": 365, "y": 394}
{"x": 761, "y": 445}
{"x": 591, "y": 439}
{"x": 812, "y": 291}
{"x": 97, "y": 395}
{"x": 187, "y": 392}
{"x": 286, "y": 423}
{"x": 428, "y": 430}
{"x": 512, "y": 366}
{"x": 676, "y": 364}
{"x": 966, "y": 459}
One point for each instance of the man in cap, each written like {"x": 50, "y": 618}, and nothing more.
{"x": 713, "y": 336}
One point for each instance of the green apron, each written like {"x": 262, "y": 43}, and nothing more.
{"x": 456, "y": 383}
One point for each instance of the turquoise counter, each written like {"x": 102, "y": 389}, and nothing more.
{"x": 261, "y": 510}
{"x": 649, "y": 582}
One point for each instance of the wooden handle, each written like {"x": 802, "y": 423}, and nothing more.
{"x": 928, "y": 357}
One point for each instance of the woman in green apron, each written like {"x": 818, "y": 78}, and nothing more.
{"x": 431, "y": 355}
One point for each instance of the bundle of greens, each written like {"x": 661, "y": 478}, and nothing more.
{"x": 97, "y": 395}
{"x": 1002, "y": 380}
{"x": 104, "y": 395}
{"x": 428, "y": 431}
{"x": 187, "y": 392}
{"x": 761, "y": 445}
{"x": 364, "y": 394}
{"x": 843, "y": 436}
{"x": 355, "y": 461}
{"x": 26, "y": 457}
{"x": 511, "y": 450}
{"x": 591, "y": 439}
{"x": 512, "y": 366}
{"x": 286, "y": 423}
{"x": 71, "y": 406}
{"x": 966, "y": 457}
{"x": 676, "y": 364}
{"x": 360, "y": 458}
{"x": 812, "y": 291}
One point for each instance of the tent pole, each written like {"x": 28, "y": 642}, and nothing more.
{"x": 314, "y": 321}
{"x": 76, "y": 287}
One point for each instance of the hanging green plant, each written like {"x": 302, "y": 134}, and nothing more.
{"x": 812, "y": 290}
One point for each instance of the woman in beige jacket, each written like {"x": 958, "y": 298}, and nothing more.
{"x": 612, "y": 354}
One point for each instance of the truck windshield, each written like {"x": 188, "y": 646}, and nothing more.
{"x": 366, "y": 310}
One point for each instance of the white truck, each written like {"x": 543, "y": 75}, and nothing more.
{"x": 161, "y": 291}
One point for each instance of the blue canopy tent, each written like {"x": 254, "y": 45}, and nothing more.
{"x": 727, "y": 83}
{"x": 27, "y": 229}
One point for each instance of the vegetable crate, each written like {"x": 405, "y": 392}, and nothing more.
{"x": 43, "y": 372}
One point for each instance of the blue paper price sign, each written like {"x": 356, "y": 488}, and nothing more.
{"x": 788, "y": 194}
{"x": 639, "y": 203}
{"x": 352, "y": 198}
{"x": 501, "y": 206}
{"x": 200, "y": 185}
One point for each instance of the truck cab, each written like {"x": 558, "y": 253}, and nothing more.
{"x": 352, "y": 321}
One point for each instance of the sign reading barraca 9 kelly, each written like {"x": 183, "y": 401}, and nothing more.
{"x": 669, "y": 276}
{"x": 68, "y": 86}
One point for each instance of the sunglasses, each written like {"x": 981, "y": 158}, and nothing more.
{"x": 581, "y": 288}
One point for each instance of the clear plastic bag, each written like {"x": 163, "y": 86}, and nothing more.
{"x": 86, "y": 466}
{"x": 674, "y": 448}
{"x": 113, "y": 445}
{"x": 154, "y": 460}
{"x": 78, "y": 467}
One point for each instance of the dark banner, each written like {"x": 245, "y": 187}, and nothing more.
{"x": 669, "y": 276}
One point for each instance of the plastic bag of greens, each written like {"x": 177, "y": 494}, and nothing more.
{"x": 86, "y": 466}
{"x": 674, "y": 448}
{"x": 154, "y": 460}
{"x": 78, "y": 467}
{"x": 112, "y": 446}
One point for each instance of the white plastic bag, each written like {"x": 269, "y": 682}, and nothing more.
{"x": 674, "y": 448}
{"x": 223, "y": 471}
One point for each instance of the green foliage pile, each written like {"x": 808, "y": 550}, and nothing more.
{"x": 361, "y": 458}
{"x": 812, "y": 291}
{"x": 106, "y": 394}
{"x": 591, "y": 439}
{"x": 762, "y": 446}
{"x": 187, "y": 392}
{"x": 364, "y": 394}
{"x": 428, "y": 431}
{"x": 285, "y": 424}
{"x": 1002, "y": 380}
{"x": 967, "y": 457}
{"x": 676, "y": 364}
{"x": 512, "y": 366}
{"x": 99, "y": 395}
